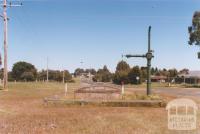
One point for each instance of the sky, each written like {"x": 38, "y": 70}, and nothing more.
{"x": 98, "y": 32}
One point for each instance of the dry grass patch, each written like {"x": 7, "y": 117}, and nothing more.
{"x": 24, "y": 102}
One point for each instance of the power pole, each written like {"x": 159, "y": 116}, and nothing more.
{"x": 5, "y": 19}
{"x": 47, "y": 69}
{"x": 5, "y": 79}
{"x": 148, "y": 56}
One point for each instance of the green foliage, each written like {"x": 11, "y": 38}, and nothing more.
{"x": 164, "y": 72}
{"x": 24, "y": 71}
{"x": 173, "y": 72}
{"x": 68, "y": 76}
{"x": 10, "y": 78}
{"x": 121, "y": 73}
{"x": 103, "y": 75}
{"x": 143, "y": 74}
{"x": 194, "y": 30}
{"x": 133, "y": 74}
{"x": 79, "y": 71}
{"x": 152, "y": 70}
{"x": 129, "y": 75}
{"x": 55, "y": 75}
{"x": 27, "y": 76}
{"x": 91, "y": 71}
{"x": 121, "y": 76}
{"x": 184, "y": 71}
{"x": 1, "y": 74}
{"x": 122, "y": 66}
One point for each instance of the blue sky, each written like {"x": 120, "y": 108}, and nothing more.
{"x": 98, "y": 32}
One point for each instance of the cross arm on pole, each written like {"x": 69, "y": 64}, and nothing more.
{"x": 136, "y": 55}
{"x": 15, "y": 5}
{"x": 11, "y": 5}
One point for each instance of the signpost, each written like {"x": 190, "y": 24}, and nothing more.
{"x": 148, "y": 56}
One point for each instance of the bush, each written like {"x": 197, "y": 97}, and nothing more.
{"x": 121, "y": 73}
{"x": 121, "y": 76}
{"x": 27, "y": 76}
{"x": 133, "y": 74}
{"x": 103, "y": 75}
{"x": 24, "y": 70}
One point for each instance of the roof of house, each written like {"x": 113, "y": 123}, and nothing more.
{"x": 190, "y": 74}
{"x": 158, "y": 77}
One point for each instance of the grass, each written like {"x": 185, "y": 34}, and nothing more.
{"x": 22, "y": 111}
{"x": 143, "y": 85}
{"x": 137, "y": 96}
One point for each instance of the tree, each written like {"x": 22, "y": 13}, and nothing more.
{"x": 121, "y": 73}
{"x": 42, "y": 75}
{"x": 1, "y": 73}
{"x": 172, "y": 73}
{"x": 152, "y": 71}
{"x": 143, "y": 74}
{"x": 103, "y": 75}
{"x": 27, "y": 76}
{"x": 133, "y": 74}
{"x": 55, "y": 75}
{"x": 164, "y": 72}
{"x": 24, "y": 71}
{"x": 123, "y": 66}
{"x": 121, "y": 76}
{"x": 184, "y": 71}
{"x": 10, "y": 78}
{"x": 156, "y": 70}
{"x": 91, "y": 71}
{"x": 67, "y": 75}
{"x": 194, "y": 30}
{"x": 79, "y": 71}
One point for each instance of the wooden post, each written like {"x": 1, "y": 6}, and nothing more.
{"x": 122, "y": 92}
{"x": 66, "y": 88}
{"x": 5, "y": 44}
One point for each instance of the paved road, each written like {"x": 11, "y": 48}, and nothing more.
{"x": 180, "y": 92}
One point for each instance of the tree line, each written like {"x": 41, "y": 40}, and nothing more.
{"x": 126, "y": 74}
{"x": 23, "y": 71}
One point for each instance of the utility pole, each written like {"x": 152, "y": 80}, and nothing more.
{"x": 148, "y": 56}
{"x": 47, "y": 69}
{"x": 5, "y": 79}
{"x": 5, "y": 19}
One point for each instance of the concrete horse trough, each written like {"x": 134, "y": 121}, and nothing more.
{"x": 99, "y": 91}
{"x": 101, "y": 94}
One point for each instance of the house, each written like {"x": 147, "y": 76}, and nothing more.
{"x": 191, "y": 77}
{"x": 158, "y": 78}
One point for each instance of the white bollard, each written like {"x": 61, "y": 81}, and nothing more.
{"x": 65, "y": 89}
{"x": 122, "y": 89}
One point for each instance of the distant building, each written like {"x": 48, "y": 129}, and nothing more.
{"x": 191, "y": 77}
{"x": 161, "y": 79}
